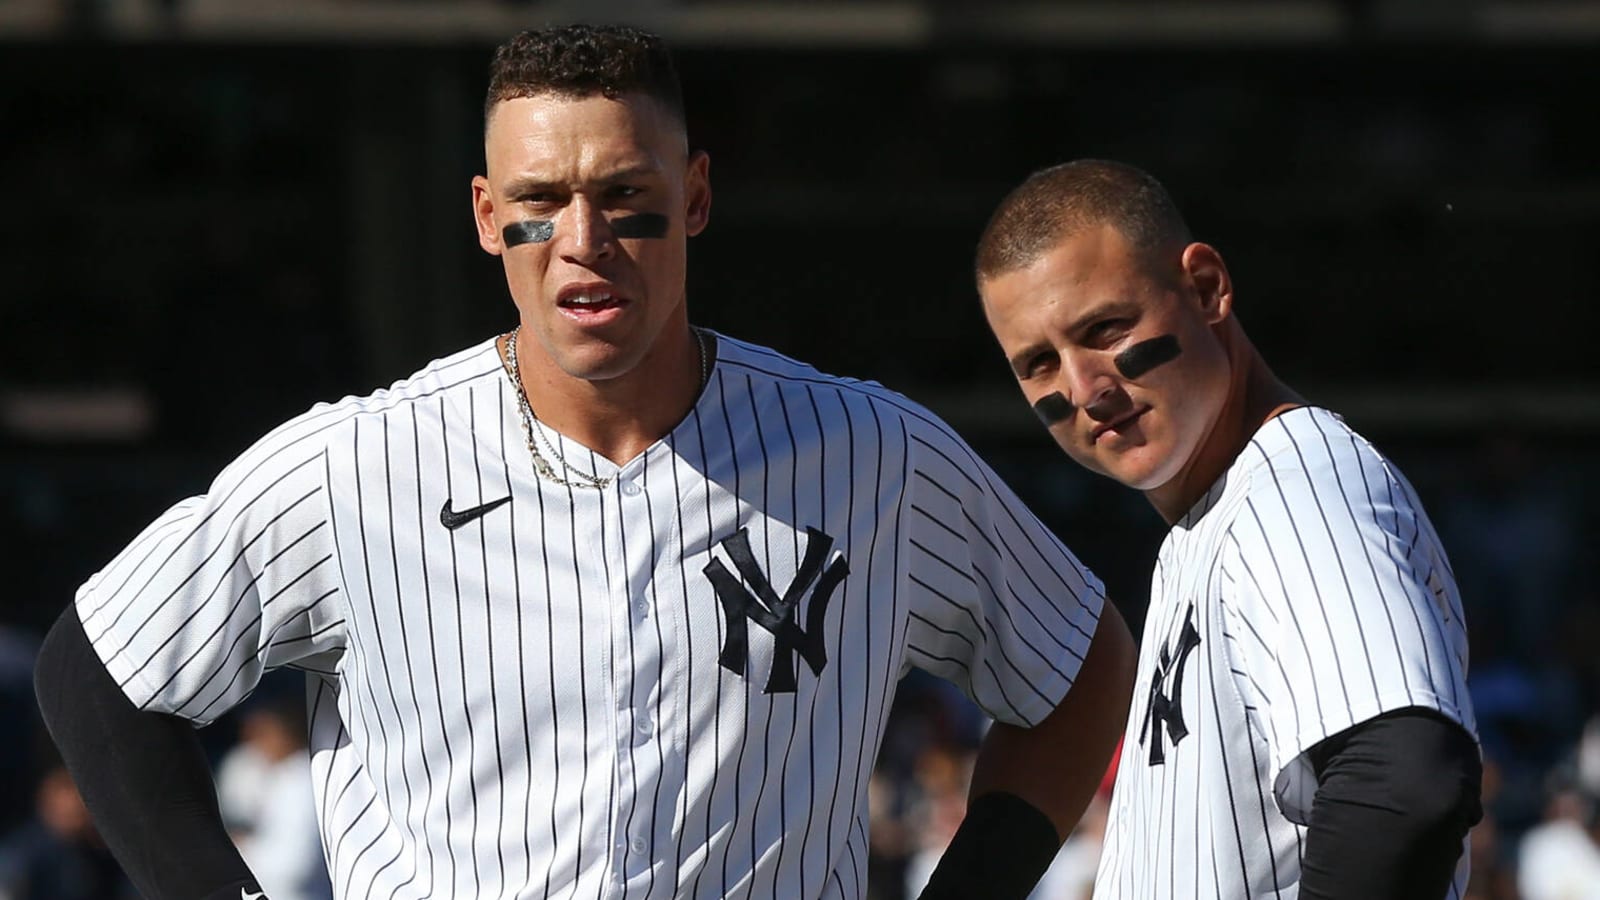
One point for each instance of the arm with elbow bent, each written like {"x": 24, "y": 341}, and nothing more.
{"x": 1396, "y": 796}
{"x": 143, "y": 776}
{"x": 1031, "y": 785}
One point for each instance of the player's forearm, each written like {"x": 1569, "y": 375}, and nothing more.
{"x": 1031, "y": 785}
{"x": 142, "y": 775}
{"x": 1395, "y": 799}
{"x": 1058, "y": 764}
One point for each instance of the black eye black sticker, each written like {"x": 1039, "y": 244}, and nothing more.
{"x": 640, "y": 225}
{"x": 1053, "y": 408}
{"x": 1146, "y": 355}
{"x": 532, "y": 231}
{"x": 537, "y": 231}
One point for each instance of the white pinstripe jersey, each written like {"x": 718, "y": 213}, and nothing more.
{"x": 546, "y": 701}
{"x": 1305, "y": 593}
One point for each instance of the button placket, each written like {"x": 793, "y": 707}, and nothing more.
{"x": 636, "y": 723}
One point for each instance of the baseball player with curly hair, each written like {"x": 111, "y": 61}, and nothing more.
{"x": 609, "y": 605}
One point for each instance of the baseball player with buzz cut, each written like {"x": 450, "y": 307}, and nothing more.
{"x": 1300, "y": 725}
{"x": 607, "y": 606}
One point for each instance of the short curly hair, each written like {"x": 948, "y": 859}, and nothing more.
{"x": 581, "y": 61}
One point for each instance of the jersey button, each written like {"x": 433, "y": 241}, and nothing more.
{"x": 630, "y": 488}
{"x": 638, "y": 845}
{"x": 644, "y": 725}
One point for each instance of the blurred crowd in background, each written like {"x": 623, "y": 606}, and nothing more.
{"x": 204, "y": 236}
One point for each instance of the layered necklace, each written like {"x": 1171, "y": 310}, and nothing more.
{"x": 568, "y": 475}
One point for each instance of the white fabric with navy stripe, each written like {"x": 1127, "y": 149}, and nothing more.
{"x": 553, "y": 698}
{"x": 1305, "y": 593}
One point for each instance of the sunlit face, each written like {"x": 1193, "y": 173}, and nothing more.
{"x": 589, "y": 203}
{"x": 1118, "y": 353}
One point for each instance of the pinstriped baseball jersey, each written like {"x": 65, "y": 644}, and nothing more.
{"x": 673, "y": 686}
{"x": 1305, "y": 593}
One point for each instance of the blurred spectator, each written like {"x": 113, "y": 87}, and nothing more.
{"x": 1560, "y": 859}
{"x": 264, "y": 791}
{"x": 58, "y": 855}
{"x": 941, "y": 779}
{"x": 1587, "y": 759}
{"x": 887, "y": 838}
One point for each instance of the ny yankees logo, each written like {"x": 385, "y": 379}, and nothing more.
{"x": 776, "y": 614}
{"x": 1165, "y": 709}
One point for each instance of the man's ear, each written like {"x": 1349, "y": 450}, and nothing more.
{"x": 697, "y": 193}
{"x": 1204, "y": 269}
{"x": 483, "y": 216}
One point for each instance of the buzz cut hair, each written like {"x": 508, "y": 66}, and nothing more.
{"x": 1064, "y": 200}
{"x": 578, "y": 61}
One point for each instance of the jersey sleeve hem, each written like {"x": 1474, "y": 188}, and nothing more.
{"x": 1287, "y": 760}
{"x": 1052, "y": 687}
{"x": 1328, "y": 726}
{"x": 148, "y": 647}
{"x": 134, "y": 685}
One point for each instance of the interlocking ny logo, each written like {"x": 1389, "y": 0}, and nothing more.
{"x": 776, "y": 614}
{"x": 1168, "y": 709}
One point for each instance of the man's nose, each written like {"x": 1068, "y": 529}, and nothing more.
{"x": 1096, "y": 391}
{"x": 586, "y": 235}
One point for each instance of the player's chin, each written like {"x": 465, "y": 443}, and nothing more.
{"x": 605, "y": 369}
{"x": 597, "y": 360}
{"x": 1143, "y": 468}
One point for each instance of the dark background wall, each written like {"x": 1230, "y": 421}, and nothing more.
{"x": 207, "y": 236}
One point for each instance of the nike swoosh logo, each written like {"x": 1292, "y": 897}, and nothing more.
{"x": 246, "y": 895}
{"x": 452, "y": 520}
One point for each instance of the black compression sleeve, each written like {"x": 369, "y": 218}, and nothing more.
{"x": 142, "y": 775}
{"x": 1000, "y": 851}
{"x": 1396, "y": 797}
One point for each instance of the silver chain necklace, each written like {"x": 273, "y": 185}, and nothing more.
{"x": 535, "y": 434}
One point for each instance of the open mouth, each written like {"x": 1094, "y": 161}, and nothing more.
{"x": 589, "y": 301}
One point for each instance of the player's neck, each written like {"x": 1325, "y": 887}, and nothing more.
{"x": 1255, "y": 397}
{"x": 618, "y": 418}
